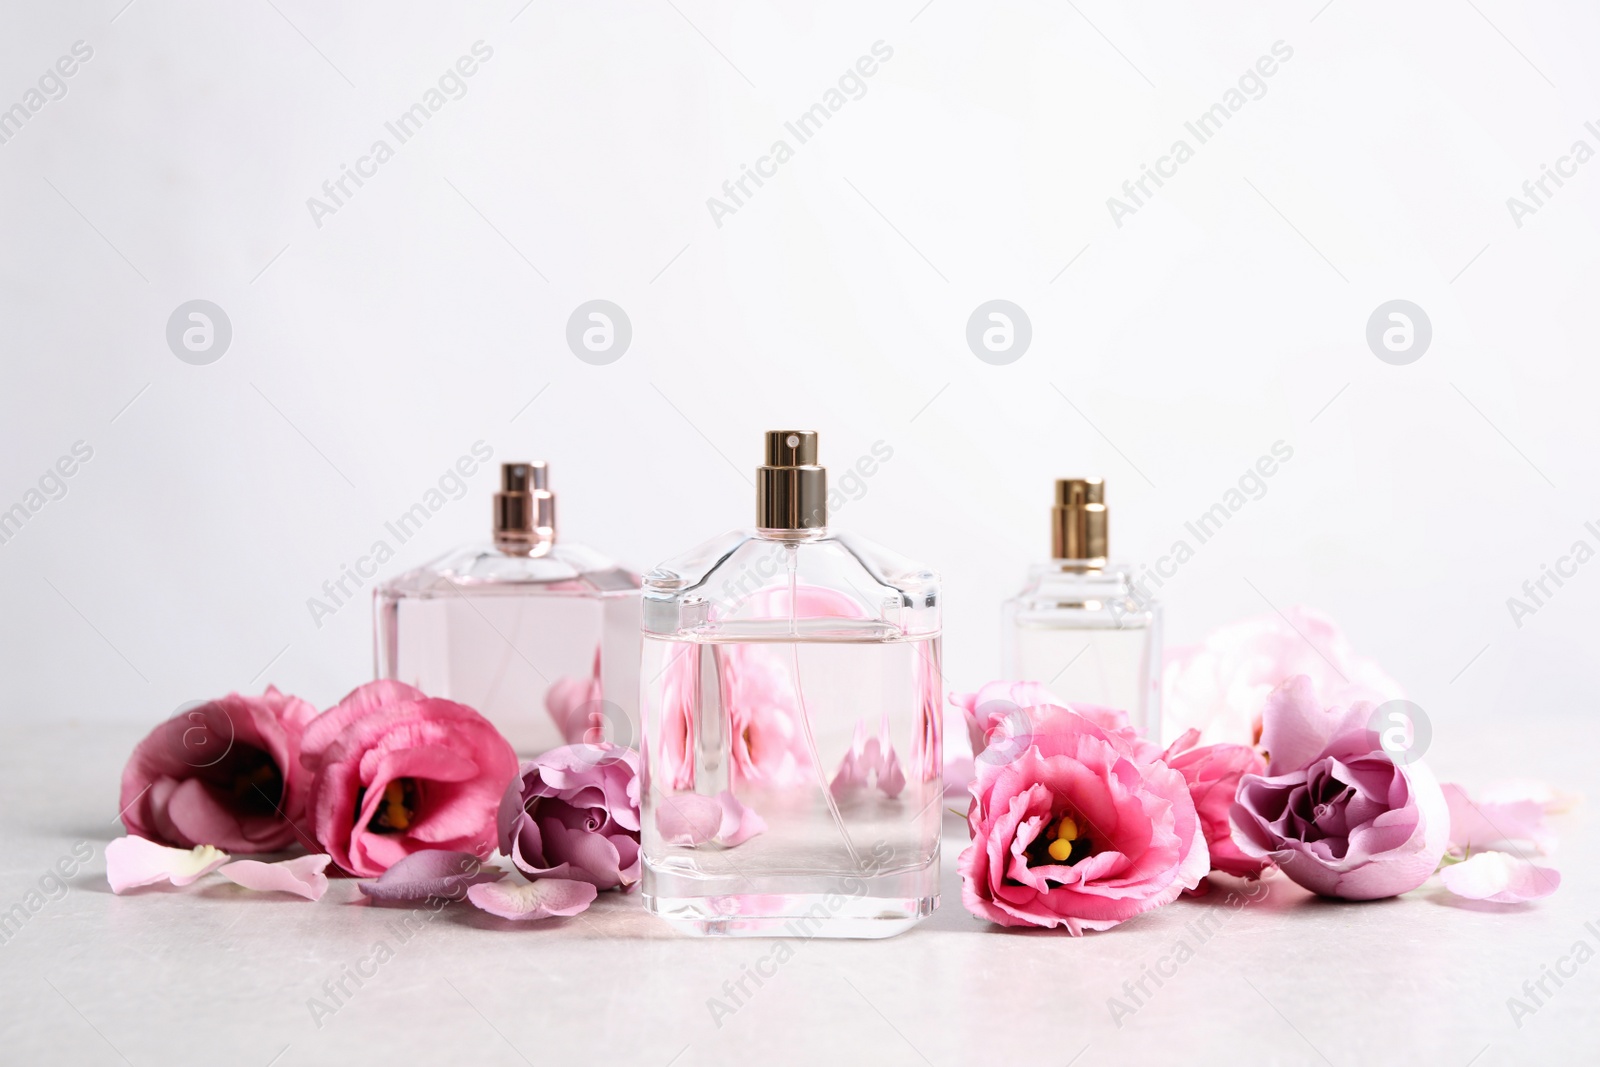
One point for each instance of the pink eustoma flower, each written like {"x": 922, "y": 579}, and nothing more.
{"x": 573, "y": 813}
{"x": 226, "y": 773}
{"x": 1213, "y": 773}
{"x": 1334, "y": 810}
{"x": 1080, "y": 830}
{"x": 395, "y": 772}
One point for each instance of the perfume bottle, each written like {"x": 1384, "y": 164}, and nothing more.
{"x": 791, "y": 744}
{"x": 1080, "y": 626}
{"x": 539, "y": 635}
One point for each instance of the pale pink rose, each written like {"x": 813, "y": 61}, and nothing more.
{"x": 1212, "y": 773}
{"x": 1218, "y": 687}
{"x": 395, "y": 772}
{"x": 226, "y": 773}
{"x": 1334, "y": 811}
{"x": 1126, "y": 827}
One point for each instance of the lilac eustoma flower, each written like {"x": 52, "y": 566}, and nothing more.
{"x": 573, "y": 813}
{"x": 1333, "y": 810}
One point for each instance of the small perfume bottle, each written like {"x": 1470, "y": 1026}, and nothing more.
{"x": 791, "y": 724}
{"x": 1080, "y": 626}
{"x": 541, "y": 636}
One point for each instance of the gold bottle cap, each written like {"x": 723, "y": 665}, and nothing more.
{"x": 1078, "y": 521}
{"x": 791, "y": 490}
{"x": 524, "y": 508}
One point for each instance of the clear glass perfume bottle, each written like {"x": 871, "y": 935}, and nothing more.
{"x": 791, "y": 702}
{"x": 1080, "y": 626}
{"x": 541, "y": 636}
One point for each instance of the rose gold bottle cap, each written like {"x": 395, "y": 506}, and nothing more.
{"x": 791, "y": 490}
{"x": 1078, "y": 522}
{"x": 524, "y": 509}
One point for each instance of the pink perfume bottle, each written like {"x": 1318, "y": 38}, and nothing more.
{"x": 539, "y": 635}
{"x": 791, "y": 716}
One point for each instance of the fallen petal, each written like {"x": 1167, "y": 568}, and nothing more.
{"x": 132, "y": 862}
{"x": 739, "y": 823}
{"x": 432, "y": 872}
{"x": 1482, "y": 824}
{"x": 543, "y": 899}
{"x": 1500, "y": 878}
{"x": 689, "y": 819}
{"x": 301, "y": 876}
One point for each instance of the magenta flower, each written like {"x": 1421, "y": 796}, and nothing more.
{"x": 1333, "y": 810}
{"x": 1213, "y": 773}
{"x": 395, "y": 772}
{"x": 573, "y": 814}
{"x": 226, "y": 773}
{"x": 1079, "y": 829}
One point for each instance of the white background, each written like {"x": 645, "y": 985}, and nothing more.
{"x": 430, "y": 311}
{"x": 1225, "y": 315}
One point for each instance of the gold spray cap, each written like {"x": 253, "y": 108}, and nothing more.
{"x": 1078, "y": 521}
{"x": 791, "y": 490}
{"x": 524, "y": 509}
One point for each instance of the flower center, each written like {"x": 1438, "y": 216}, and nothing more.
{"x": 397, "y": 809}
{"x": 1060, "y": 843}
{"x": 254, "y": 781}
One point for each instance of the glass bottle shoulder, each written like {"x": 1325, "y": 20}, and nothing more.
{"x": 563, "y": 568}
{"x": 780, "y": 585}
{"x": 1077, "y": 593}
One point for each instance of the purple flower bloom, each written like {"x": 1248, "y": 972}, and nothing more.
{"x": 1334, "y": 810}
{"x": 573, "y": 814}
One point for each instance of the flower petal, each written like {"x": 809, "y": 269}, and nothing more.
{"x": 430, "y": 873}
{"x": 1500, "y": 878}
{"x": 739, "y": 823}
{"x": 1477, "y": 825}
{"x": 689, "y": 819}
{"x": 536, "y": 900}
{"x": 301, "y": 876}
{"x": 133, "y": 862}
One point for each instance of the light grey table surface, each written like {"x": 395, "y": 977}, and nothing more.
{"x": 217, "y": 975}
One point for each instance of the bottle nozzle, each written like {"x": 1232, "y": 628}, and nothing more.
{"x": 524, "y": 509}
{"x": 1079, "y": 520}
{"x": 791, "y": 490}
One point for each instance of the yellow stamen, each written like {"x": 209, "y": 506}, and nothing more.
{"x": 1067, "y": 830}
{"x": 1060, "y": 850}
{"x": 394, "y": 808}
